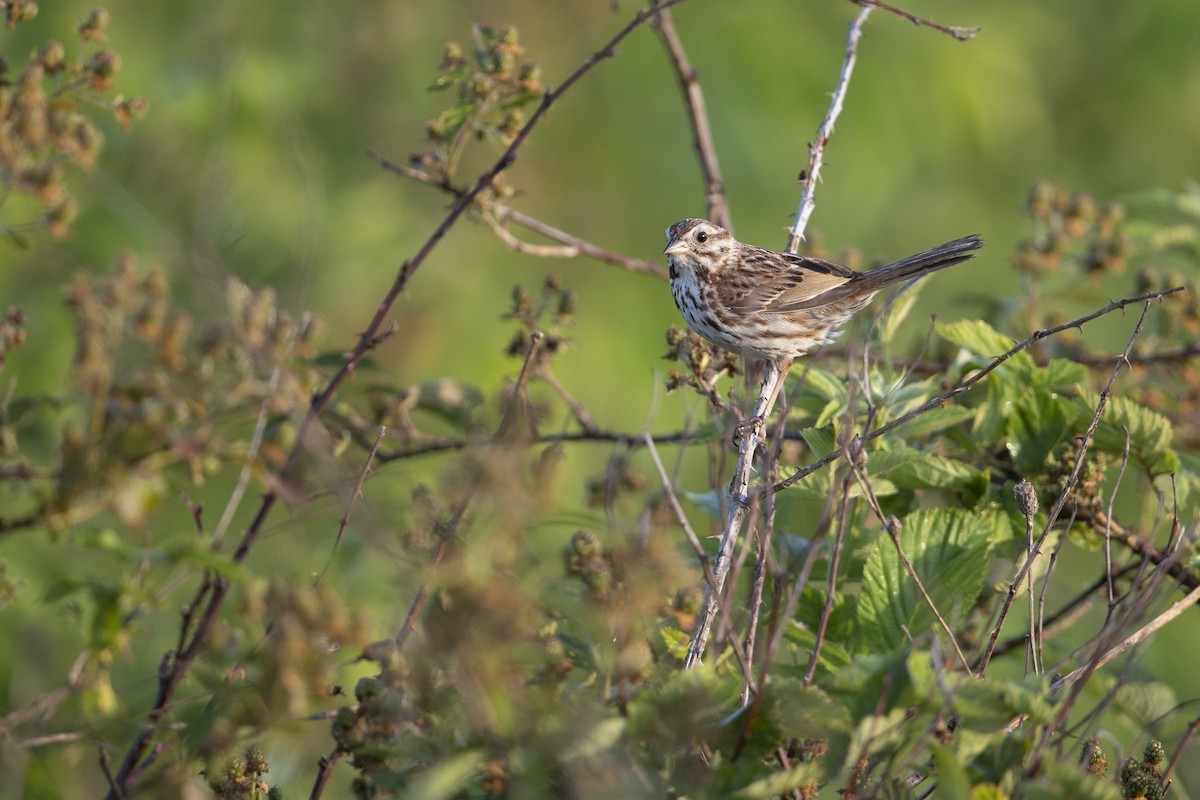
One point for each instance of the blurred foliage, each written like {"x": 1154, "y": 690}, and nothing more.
{"x": 44, "y": 126}
{"x": 479, "y": 588}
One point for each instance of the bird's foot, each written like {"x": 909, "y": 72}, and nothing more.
{"x": 755, "y": 425}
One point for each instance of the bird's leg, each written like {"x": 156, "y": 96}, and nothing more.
{"x": 772, "y": 384}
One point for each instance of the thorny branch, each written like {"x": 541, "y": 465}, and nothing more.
{"x": 816, "y": 148}
{"x": 962, "y": 34}
{"x": 775, "y": 374}
{"x": 179, "y": 666}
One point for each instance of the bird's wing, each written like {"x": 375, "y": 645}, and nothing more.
{"x": 781, "y": 281}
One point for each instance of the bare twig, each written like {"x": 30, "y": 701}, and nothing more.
{"x": 497, "y": 215}
{"x": 1133, "y": 640}
{"x": 354, "y": 498}
{"x": 962, "y": 34}
{"x": 718, "y": 206}
{"x": 370, "y": 337}
{"x": 326, "y": 764}
{"x": 1178, "y": 754}
{"x": 839, "y": 537}
{"x": 816, "y": 148}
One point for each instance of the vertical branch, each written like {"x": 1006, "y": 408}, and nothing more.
{"x": 714, "y": 188}
{"x": 816, "y": 148}
{"x": 775, "y": 373}
{"x": 739, "y": 505}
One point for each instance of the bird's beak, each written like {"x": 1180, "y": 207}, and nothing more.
{"x": 674, "y": 248}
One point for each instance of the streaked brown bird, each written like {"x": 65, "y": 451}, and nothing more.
{"x": 778, "y": 306}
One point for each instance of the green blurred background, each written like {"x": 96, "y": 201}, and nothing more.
{"x": 251, "y": 163}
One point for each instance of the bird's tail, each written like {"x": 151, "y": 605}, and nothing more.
{"x": 940, "y": 257}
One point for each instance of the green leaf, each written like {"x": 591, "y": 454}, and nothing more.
{"x": 948, "y": 551}
{"x": 677, "y": 642}
{"x": 992, "y": 705}
{"x": 708, "y": 502}
{"x": 1036, "y": 425}
{"x": 952, "y": 780}
{"x": 936, "y": 419}
{"x": 1058, "y": 374}
{"x": 1149, "y": 431}
{"x": 918, "y": 470}
{"x": 447, "y": 778}
{"x": 821, "y": 440}
{"x": 823, "y": 384}
{"x": 1066, "y": 778}
{"x": 802, "y": 775}
{"x": 982, "y": 340}
{"x": 896, "y": 313}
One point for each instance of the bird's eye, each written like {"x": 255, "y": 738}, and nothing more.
{"x": 701, "y": 237}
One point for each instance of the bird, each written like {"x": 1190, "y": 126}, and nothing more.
{"x": 777, "y": 306}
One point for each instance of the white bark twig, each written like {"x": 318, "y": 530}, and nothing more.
{"x": 816, "y": 148}
{"x": 739, "y": 490}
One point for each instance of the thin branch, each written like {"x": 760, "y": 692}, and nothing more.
{"x": 498, "y": 214}
{"x": 326, "y": 764}
{"x": 355, "y": 496}
{"x": 775, "y": 373}
{"x": 571, "y": 246}
{"x": 1133, "y": 640}
{"x": 677, "y": 510}
{"x": 962, "y": 34}
{"x": 967, "y": 384}
{"x": 816, "y": 148}
{"x": 858, "y": 460}
{"x": 718, "y": 206}
{"x": 739, "y": 505}
{"x": 1178, "y": 754}
{"x": 839, "y": 537}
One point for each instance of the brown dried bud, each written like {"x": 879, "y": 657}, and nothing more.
{"x": 1027, "y": 499}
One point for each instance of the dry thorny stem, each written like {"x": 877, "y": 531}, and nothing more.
{"x": 214, "y": 589}
{"x": 1052, "y": 517}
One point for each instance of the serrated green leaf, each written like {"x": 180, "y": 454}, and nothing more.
{"x": 1149, "y": 431}
{"x": 876, "y": 736}
{"x": 828, "y": 413}
{"x": 823, "y": 384}
{"x": 982, "y": 340}
{"x": 948, "y": 551}
{"x": 992, "y": 705}
{"x": 1058, "y": 374}
{"x": 821, "y": 441}
{"x": 927, "y": 471}
{"x": 1036, "y": 425}
{"x": 936, "y": 419}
